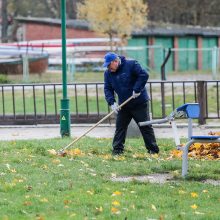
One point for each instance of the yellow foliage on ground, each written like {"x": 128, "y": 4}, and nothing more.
{"x": 208, "y": 151}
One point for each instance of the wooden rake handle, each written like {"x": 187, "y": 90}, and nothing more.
{"x": 95, "y": 125}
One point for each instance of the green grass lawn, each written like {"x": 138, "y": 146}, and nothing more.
{"x": 37, "y": 185}
{"x": 56, "y": 77}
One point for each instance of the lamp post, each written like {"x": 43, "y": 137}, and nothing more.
{"x": 64, "y": 111}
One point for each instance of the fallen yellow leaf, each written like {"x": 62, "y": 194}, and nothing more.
{"x": 99, "y": 209}
{"x": 138, "y": 155}
{"x": 155, "y": 156}
{"x": 56, "y": 161}
{"x": 113, "y": 175}
{"x": 121, "y": 158}
{"x": 18, "y": 181}
{"x": 66, "y": 202}
{"x": 74, "y": 152}
{"x": 153, "y": 207}
{"x": 133, "y": 206}
{"x": 116, "y": 203}
{"x": 194, "y": 206}
{"x": 194, "y": 194}
{"x": 176, "y": 153}
{"x": 27, "y": 203}
{"x": 52, "y": 152}
{"x": 39, "y": 217}
{"x": 116, "y": 193}
{"x": 182, "y": 192}
{"x": 175, "y": 172}
{"x": 106, "y": 156}
{"x": 217, "y": 133}
{"x": 72, "y": 214}
{"x": 90, "y": 192}
{"x": 115, "y": 211}
{"x": 44, "y": 200}
{"x": 44, "y": 167}
{"x": 13, "y": 170}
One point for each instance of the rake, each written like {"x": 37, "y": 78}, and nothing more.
{"x": 62, "y": 152}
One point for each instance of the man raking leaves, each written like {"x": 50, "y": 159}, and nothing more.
{"x": 127, "y": 79}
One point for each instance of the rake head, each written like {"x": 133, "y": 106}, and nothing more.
{"x": 61, "y": 153}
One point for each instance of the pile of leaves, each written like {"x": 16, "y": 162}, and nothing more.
{"x": 208, "y": 151}
{"x": 71, "y": 152}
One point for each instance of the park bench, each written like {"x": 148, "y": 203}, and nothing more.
{"x": 190, "y": 111}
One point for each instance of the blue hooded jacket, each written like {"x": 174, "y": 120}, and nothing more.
{"x": 129, "y": 77}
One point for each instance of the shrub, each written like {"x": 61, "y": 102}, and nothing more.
{"x": 4, "y": 79}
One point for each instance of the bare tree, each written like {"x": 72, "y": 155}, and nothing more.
{"x": 41, "y": 8}
{"x": 187, "y": 12}
{"x": 53, "y": 6}
{"x": 4, "y": 13}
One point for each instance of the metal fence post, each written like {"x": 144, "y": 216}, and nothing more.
{"x": 65, "y": 102}
{"x": 25, "y": 64}
{"x": 163, "y": 77}
{"x": 163, "y": 99}
{"x": 202, "y": 100}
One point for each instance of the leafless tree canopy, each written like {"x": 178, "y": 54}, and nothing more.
{"x": 186, "y": 12}
{"x": 193, "y": 12}
{"x": 4, "y": 19}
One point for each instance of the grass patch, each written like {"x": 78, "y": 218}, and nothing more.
{"x": 56, "y": 77}
{"x": 50, "y": 103}
{"x": 36, "y": 185}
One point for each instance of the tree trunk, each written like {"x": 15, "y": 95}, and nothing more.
{"x": 52, "y": 8}
{"x": 71, "y": 9}
{"x": 111, "y": 41}
{"x": 4, "y": 21}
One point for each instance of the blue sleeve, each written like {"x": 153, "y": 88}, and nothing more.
{"x": 108, "y": 90}
{"x": 142, "y": 77}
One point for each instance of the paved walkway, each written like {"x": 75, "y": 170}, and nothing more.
{"x": 102, "y": 131}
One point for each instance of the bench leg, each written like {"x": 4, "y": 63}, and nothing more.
{"x": 185, "y": 158}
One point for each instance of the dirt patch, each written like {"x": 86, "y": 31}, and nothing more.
{"x": 152, "y": 178}
{"x": 212, "y": 182}
{"x": 160, "y": 178}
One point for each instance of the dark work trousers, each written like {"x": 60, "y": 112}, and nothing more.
{"x": 138, "y": 113}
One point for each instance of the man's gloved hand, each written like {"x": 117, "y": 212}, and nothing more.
{"x": 115, "y": 107}
{"x": 135, "y": 95}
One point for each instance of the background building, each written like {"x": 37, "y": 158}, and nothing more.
{"x": 193, "y": 48}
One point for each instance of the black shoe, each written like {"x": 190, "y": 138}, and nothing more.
{"x": 117, "y": 152}
{"x": 152, "y": 152}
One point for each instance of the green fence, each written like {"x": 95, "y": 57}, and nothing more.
{"x": 187, "y": 57}
{"x": 40, "y": 103}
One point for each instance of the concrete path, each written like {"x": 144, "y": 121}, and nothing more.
{"x": 102, "y": 131}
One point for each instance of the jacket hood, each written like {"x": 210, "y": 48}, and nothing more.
{"x": 122, "y": 59}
